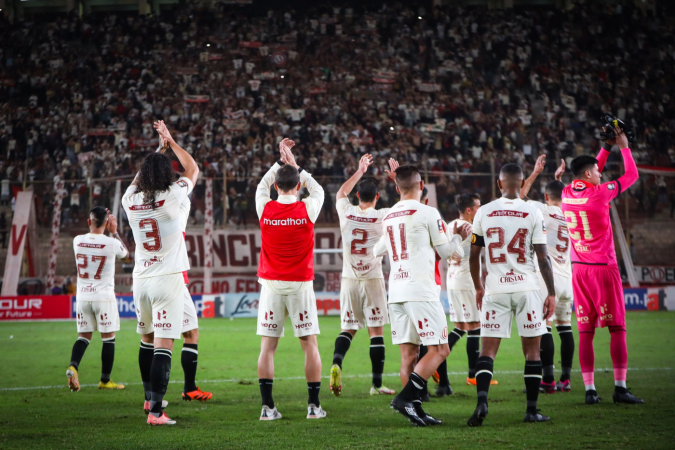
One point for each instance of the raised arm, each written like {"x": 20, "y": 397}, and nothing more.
{"x": 262, "y": 193}
{"x": 186, "y": 160}
{"x": 630, "y": 175}
{"x": 538, "y": 168}
{"x": 316, "y": 194}
{"x": 122, "y": 252}
{"x": 348, "y": 186}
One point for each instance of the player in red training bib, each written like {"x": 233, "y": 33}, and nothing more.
{"x": 596, "y": 281}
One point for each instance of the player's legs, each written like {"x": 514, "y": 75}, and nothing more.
{"x": 563, "y": 323}
{"x": 312, "y": 369}
{"x": 108, "y": 317}
{"x": 190, "y": 352}
{"x": 484, "y": 371}
{"x": 268, "y": 347}
{"x": 86, "y": 325}
{"x": 586, "y": 288}
{"x": 272, "y": 315}
{"x": 375, "y": 312}
{"x": 107, "y": 360}
{"x": 547, "y": 349}
{"x": 352, "y": 319}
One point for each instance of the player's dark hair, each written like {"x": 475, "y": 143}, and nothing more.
{"x": 425, "y": 192}
{"x": 511, "y": 170}
{"x": 466, "y": 200}
{"x": 581, "y": 164}
{"x": 554, "y": 190}
{"x": 156, "y": 175}
{"x": 98, "y": 215}
{"x": 287, "y": 178}
{"x": 407, "y": 177}
{"x": 367, "y": 190}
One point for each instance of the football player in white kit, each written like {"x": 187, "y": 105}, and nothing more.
{"x": 512, "y": 232}
{"x": 558, "y": 245}
{"x": 413, "y": 234}
{"x": 190, "y": 326}
{"x": 96, "y": 303}
{"x": 363, "y": 295}
{"x": 152, "y": 204}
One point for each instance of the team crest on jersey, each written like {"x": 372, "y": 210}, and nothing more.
{"x": 181, "y": 183}
{"x": 578, "y": 185}
{"x": 512, "y": 278}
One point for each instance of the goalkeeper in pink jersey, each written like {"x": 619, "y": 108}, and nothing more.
{"x": 596, "y": 281}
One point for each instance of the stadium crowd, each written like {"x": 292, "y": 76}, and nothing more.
{"x": 449, "y": 90}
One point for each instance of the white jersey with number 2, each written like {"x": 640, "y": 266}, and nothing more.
{"x": 510, "y": 228}
{"x": 411, "y": 231}
{"x": 361, "y": 229}
{"x": 158, "y": 230}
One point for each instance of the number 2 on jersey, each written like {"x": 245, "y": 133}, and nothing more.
{"x": 573, "y": 222}
{"x": 404, "y": 244}
{"x": 516, "y": 245}
{"x": 153, "y": 233}
{"x": 364, "y": 238}
{"x": 85, "y": 264}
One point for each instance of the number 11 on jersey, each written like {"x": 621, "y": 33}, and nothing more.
{"x": 404, "y": 244}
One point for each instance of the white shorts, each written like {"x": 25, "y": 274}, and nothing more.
{"x": 418, "y": 323}
{"x": 97, "y": 316}
{"x": 189, "y": 312}
{"x": 498, "y": 310}
{"x": 363, "y": 303}
{"x": 274, "y": 308}
{"x": 463, "y": 306}
{"x": 160, "y": 303}
{"x": 563, "y": 297}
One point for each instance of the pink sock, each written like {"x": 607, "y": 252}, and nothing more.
{"x": 587, "y": 357}
{"x": 619, "y": 352}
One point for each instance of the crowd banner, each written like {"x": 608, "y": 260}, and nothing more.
{"x": 208, "y": 231}
{"x": 17, "y": 239}
{"x": 35, "y": 307}
{"x": 56, "y": 227}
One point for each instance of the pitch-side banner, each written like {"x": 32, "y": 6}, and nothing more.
{"x": 238, "y": 251}
{"x": 35, "y": 307}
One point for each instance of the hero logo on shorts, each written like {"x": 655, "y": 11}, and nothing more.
{"x": 532, "y": 317}
{"x": 490, "y": 326}
{"x": 348, "y": 319}
{"x": 604, "y": 313}
{"x": 422, "y": 324}
{"x": 375, "y": 315}
{"x": 104, "y": 320}
{"x": 581, "y": 318}
{"x": 304, "y": 317}
{"x": 512, "y": 278}
{"x": 269, "y": 316}
{"x": 161, "y": 315}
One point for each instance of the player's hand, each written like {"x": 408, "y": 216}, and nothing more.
{"x": 611, "y": 141}
{"x": 163, "y": 132}
{"x": 540, "y": 164}
{"x": 560, "y": 171}
{"x": 464, "y": 231}
{"x": 549, "y": 307}
{"x": 112, "y": 223}
{"x": 366, "y": 160}
{"x": 393, "y": 165}
{"x": 287, "y": 157}
{"x": 621, "y": 139}
{"x": 480, "y": 293}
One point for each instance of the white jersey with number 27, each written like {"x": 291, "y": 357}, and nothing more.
{"x": 158, "y": 230}
{"x": 411, "y": 231}
{"x": 95, "y": 256}
{"x": 510, "y": 228}
{"x": 361, "y": 229}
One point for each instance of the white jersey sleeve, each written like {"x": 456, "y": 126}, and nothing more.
{"x": 95, "y": 258}
{"x": 459, "y": 275}
{"x": 158, "y": 230}
{"x": 509, "y": 228}
{"x": 557, "y": 238}
{"x": 412, "y": 230}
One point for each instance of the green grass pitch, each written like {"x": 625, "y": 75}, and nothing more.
{"x": 53, "y": 417}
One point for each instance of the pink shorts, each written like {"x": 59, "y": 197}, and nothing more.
{"x": 598, "y": 297}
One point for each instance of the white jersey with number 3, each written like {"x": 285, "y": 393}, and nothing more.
{"x": 361, "y": 229}
{"x": 411, "y": 231}
{"x": 557, "y": 238}
{"x": 158, "y": 230}
{"x": 95, "y": 256}
{"x": 509, "y": 228}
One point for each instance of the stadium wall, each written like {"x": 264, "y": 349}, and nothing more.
{"x": 62, "y": 307}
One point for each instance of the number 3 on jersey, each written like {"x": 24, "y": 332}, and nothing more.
{"x": 404, "y": 244}
{"x": 516, "y": 245}
{"x": 156, "y": 243}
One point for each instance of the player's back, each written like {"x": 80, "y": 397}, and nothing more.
{"x": 158, "y": 230}
{"x": 459, "y": 272}
{"x": 95, "y": 257}
{"x": 411, "y": 231}
{"x": 361, "y": 229}
{"x": 509, "y": 228}
{"x": 557, "y": 238}
{"x": 586, "y": 210}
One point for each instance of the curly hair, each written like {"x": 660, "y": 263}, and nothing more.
{"x": 156, "y": 175}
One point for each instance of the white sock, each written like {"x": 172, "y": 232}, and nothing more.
{"x": 620, "y": 384}
{"x": 590, "y": 387}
